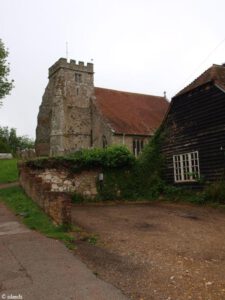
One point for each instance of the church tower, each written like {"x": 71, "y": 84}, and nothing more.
{"x": 64, "y": 119}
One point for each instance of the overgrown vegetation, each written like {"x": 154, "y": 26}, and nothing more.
{"x": 8, "y": 170}
{"x": 128, "y": 178}
{"x": 215, "y": 192}
{"x": 10, "y": 142}
{"x": 32, "y": 215}
{"x": 143, "y": 180}
{"x": 111, "y": 157}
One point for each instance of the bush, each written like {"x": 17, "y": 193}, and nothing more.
{"x": 111, "y": 157}
{"x": 10, "y": 141}
{"x": 215, "y": 192}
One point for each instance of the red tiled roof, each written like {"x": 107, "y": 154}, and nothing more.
{"x": 131, "y": 113}
{"x": 215, "y": 73}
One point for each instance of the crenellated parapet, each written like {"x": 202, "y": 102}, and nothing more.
{"x": 71, "y": 65}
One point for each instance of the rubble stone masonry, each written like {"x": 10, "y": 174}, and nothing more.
{"x": 51, "y": 189}
{"x": 64, "y": 119}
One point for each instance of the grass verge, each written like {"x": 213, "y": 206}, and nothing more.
{"x": 33, "y": 217}
{"x": 8, "y": 170}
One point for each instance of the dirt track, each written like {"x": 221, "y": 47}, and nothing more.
{"x": 8, "y": 185}
{"x": 157, "y": 250}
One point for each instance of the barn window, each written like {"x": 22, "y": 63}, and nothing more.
{"x": 138, "y": 145}
{"x": 78, "y": 77}
{"x": 186, "y": 167}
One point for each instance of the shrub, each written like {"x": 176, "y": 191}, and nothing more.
{"x": 4, "y": 147}
{"x": 111, "y": 157}
{"x": 215, "y": 192}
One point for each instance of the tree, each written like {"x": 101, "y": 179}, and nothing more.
{"x": 10, "y": 142}
{"x": 5, "y": 84}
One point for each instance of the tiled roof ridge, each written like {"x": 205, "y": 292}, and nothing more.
{"x": 210, "y": 74}
{"x": 126, "y": 92}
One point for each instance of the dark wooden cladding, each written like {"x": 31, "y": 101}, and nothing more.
{"x": 196, "y": 122}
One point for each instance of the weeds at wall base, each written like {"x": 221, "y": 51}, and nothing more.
{"x": 33, "y": 217}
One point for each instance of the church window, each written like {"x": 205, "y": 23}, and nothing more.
{"x": 138, "y": 145}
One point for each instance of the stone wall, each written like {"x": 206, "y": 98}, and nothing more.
{"x": 56, "y": 205}
{"x": 83, "y": 183}
{"x": 128, "y": 140}
{"x": 51, "y": 189}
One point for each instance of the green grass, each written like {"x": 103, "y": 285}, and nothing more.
{"x": 8, "y": 170}
{"x": 33, "y": 217}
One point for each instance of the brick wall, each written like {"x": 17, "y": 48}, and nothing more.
{"x": 51, "y": 188}
{"x": 57, "y": 205}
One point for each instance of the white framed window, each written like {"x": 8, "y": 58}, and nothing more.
{"x": 186, "y": 167}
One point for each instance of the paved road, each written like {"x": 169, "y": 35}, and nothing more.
{"x": 33, "y": 267}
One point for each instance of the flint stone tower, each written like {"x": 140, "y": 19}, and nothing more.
{"x": 64, "y": 119}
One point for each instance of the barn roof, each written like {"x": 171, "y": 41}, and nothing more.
{"x": 131, "y": 113}
{"x": 216, "y": 73}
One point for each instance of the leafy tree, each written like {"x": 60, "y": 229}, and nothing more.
{"x": 10, "y": 142}
{"x": 5, "y": 84}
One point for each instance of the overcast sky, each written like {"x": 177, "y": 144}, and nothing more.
{"x": 144, "y": 46}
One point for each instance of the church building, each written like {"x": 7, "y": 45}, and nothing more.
{"x": 74, "y": 114}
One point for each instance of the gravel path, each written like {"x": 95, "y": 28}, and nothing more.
{"x": 156, "y": 251}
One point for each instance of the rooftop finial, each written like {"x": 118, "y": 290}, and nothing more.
{"x": 164, "y": 93}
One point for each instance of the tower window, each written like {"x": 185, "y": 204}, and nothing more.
{"x": 77, "y": 91}
{"x": 78, "y": 77}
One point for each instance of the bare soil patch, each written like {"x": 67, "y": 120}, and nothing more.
{"x": 156, "y": 250}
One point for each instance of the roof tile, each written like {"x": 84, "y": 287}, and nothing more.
{"x": 216, "y": 73}
{"x": 131, "y": 113}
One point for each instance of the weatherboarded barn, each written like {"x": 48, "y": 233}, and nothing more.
{"x": 194, "y": 131}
